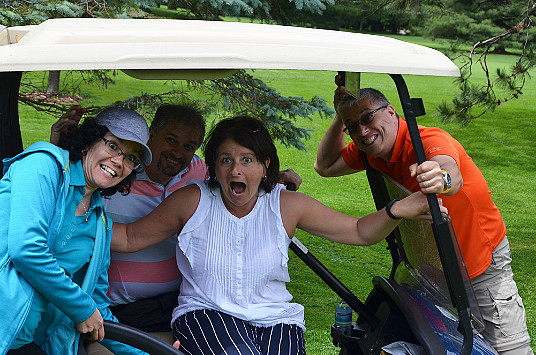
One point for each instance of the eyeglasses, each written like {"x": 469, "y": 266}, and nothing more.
{"x": 364, "y": 120}
{"x": 113, "y": 149}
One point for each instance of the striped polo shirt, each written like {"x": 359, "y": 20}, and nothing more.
{"x": 152, "y": 271}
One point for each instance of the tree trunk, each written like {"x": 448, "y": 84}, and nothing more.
{"x": 53, "y": 86}
{"x": 172, "y": 5}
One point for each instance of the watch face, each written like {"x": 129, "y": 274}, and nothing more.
{"x": 447, "y": 181}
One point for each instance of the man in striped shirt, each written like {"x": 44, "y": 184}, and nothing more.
{"x": 144, "y": 286}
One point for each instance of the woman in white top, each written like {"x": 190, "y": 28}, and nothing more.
{"x": 235, "y": 229}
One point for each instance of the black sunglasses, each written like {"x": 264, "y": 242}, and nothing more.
{"x": 364, "y": 120}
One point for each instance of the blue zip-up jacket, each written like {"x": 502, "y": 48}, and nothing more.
{"x": 33, "y": 208}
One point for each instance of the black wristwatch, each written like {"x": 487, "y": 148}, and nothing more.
{"x": 447, "y": 182}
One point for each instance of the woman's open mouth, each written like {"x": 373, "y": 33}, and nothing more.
{"x": 237, "y": 188}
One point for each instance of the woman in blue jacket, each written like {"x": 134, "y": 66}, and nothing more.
{"x": 55, "y": 244}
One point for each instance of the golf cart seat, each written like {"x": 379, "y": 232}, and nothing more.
{"x": 400, "y": 319}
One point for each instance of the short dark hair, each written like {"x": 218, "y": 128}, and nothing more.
{"x": 79, "y": 139}
{"x": 184, "y": 115}
{"x": 374, "y": 96}
{"x": 249, "y": 133}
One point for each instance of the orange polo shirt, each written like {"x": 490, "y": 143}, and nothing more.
{"x": 477, "y": 222}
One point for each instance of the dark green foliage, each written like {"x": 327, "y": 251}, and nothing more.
{"x": 15, "y": 13}
{"x": 473, "y": 21}
{"x": 507, "y": 85}
{"x": 364, "y": 15}
{"x": 335, "y": 17}
{"x": 171, "y": 11}
{"x": 490, "y": 33}
{"x": 460, "y": 26}
{"x": 33, "y": 12}
{"x": 279, "y": 11}
{"x": 244, "y": 94}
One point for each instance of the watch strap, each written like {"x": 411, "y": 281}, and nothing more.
{"x": 388, "y": 210}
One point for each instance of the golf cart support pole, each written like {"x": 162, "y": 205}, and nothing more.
{"x": 413, "y": 108}
{"x": 10, "y": 136}
{"x": 335, "y": 284}
{"x": 380, "y": 196}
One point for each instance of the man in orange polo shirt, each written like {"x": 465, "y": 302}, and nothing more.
{"x": 376, "y": 129}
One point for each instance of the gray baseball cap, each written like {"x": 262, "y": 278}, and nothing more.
{"x": 128, "y": 125}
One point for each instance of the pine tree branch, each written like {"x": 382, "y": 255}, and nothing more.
{"x": 520, "y": 27}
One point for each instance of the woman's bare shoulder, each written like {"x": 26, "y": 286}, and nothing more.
{"x": 187, "y": 194}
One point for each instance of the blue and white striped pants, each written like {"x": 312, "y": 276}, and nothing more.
{"x": 212, "y": 332}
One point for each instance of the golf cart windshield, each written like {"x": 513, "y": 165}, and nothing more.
{"x": 419, "y": 267}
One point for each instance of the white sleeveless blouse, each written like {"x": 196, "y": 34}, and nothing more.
{"x": 238, "y": 266}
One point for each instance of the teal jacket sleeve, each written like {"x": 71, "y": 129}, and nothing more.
{"x": 35, "y": 189}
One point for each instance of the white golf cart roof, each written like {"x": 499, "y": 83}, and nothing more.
{"x": 154, "y": 48}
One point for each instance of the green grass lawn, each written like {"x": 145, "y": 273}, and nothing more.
{"x": 501, "y": 143}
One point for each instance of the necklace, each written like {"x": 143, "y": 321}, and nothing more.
{"x": 85, "y": 206}
{"x": 86, "y": 213}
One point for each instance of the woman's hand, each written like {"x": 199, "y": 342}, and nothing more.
{"x": 93, "y": 325}
{"x": 415, "y": 206}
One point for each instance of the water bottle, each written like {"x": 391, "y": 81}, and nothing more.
{"x": 343, "y": 318}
